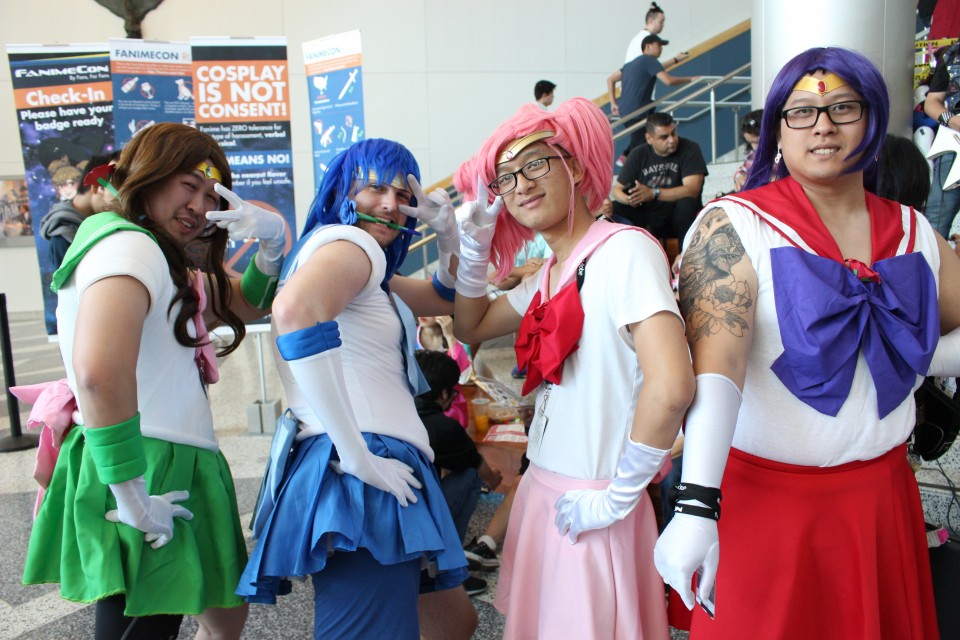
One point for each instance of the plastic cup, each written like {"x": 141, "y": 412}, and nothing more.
{"x": 479, "y": 411}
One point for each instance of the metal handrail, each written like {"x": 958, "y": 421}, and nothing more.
{"x": 708, "y": 88}
{"x": 712, "y": 82}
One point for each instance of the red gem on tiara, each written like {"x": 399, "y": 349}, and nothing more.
{"x": 822, "y": 87}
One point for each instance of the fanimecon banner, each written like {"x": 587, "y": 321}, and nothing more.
{"x": 335, "y": 85}
{"x": 241, "y": 93}
{"x": 64, "y": 102}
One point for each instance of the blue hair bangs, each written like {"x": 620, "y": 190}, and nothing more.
{"x": 349, "y": 172}
{"x": 860, "y": 75}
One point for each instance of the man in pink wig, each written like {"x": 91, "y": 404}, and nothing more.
{"x": 598, "y": 321}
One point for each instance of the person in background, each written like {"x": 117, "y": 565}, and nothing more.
{"x": 543, "y": 93}
{"x": 638, "y": 78}
{"x": 435, "y": 333}
{"x": 813, "y": 309}
{"x": 460, "y": 466}
{"x": 581, "y": 530}
{"x": 141, "y": 498}
{"x": 903, "y": 174}
{"x": 661, "y": 186}
{"x": 943, "y": 105}
{"x": 653, "y": 25}
{"x": 59, "y": 226}
{"x": 750, "y": 132}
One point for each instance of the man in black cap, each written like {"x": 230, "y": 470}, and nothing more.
{"x": 638, "y": 78}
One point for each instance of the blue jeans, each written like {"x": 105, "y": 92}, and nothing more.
{"x": 942, "y": 205}
{"x": 462, "y": 491}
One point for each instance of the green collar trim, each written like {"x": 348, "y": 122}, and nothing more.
{"x": 91, "y": 231}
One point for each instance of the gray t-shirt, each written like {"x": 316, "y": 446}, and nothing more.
{"x": 637, "y": 83}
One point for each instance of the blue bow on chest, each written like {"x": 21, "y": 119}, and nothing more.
{"x": 827, "y": 316}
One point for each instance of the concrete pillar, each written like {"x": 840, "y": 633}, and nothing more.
{"x": 882, "y": 31}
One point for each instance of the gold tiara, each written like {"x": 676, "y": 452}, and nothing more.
{"x": 511, "y": 150}
{"x": 820, "y": 86}
{"x": 210, "y": 171}
{"x": 398, "y": 181}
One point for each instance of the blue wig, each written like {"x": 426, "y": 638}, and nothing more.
{"x": 861, "y": 76}
{"x": 349, "y": 172}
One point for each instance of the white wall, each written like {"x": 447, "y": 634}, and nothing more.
{"x": 438, "y": 75}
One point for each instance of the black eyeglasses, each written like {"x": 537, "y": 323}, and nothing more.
{"x": 846, "y": 112}
{"x": 533, "y": 170}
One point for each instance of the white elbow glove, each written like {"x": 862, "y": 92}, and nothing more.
{"x": 946, "y": 359}
{"x": 585, "y": 510}
{"x": 152, "y": 515}
{"x": 319, "y": 374}
{"x": 477, "y": 222}
{"x": 691, "y": 541}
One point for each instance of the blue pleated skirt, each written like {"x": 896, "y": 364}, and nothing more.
{"x": 319, "y": 512}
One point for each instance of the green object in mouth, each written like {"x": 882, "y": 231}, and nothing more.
{"x": 363, "y": 216}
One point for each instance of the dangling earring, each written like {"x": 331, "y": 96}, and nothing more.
{"x": 776, "y": 158}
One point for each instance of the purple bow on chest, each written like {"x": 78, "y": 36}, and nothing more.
{"x": 827, "y": 316}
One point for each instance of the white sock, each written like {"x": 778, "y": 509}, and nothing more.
{"x": 487, "y": 540}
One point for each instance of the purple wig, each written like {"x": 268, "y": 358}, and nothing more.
{"x": 582, "y": 130}
{"x": 861, "y": 76}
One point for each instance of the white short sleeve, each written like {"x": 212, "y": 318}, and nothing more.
{"x": 638, "y": 266}
{"x": 125, "y": 253}
{"x": 333, "y": 232}
{"x": 520, "y": 296}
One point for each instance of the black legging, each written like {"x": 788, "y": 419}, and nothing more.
{"x": 113, "y": 625}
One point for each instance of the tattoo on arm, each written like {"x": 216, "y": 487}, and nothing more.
{"x": 711, "y": 298}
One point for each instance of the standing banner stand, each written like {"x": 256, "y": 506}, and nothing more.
{"x": 64, "y": 102}
{"x": 241, "y": 94}
{"x": 152, "y": 82}
{"x": 335, "y": 87}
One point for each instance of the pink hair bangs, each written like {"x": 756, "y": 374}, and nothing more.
{"x": 582, "y": 130}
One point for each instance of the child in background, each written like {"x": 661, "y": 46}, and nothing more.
{"x": 435, "y": 333}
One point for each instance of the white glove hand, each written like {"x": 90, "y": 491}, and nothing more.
{"x": 585, "y": 510}
{"x": 151, "y": 514}
{"x": 246, "y": 220}
{"x": 385, "y": 474}
{"x": 436, "y": 210}
{"x": 691, "y": 541}
{"x": 688, "y": 543}
{"x": 321, "y": 377}
{"x": 476, "y": 221}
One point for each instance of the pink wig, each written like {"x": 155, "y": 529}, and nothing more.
{"x": 582, "y": 130}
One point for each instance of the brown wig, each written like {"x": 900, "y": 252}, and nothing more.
{"x": 153, "y": 155}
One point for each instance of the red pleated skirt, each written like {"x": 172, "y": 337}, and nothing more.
{"x": 821, "y": 553}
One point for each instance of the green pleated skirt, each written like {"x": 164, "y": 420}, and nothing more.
{"x": 74, "y": 545}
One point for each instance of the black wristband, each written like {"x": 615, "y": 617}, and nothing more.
{"x": 709, "y": 496}
{"x": 694, "y": 510}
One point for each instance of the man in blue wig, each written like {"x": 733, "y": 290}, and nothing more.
{"x": 351, "y": 498}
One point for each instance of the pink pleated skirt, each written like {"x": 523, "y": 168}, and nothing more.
{"x": 604, "y": 587}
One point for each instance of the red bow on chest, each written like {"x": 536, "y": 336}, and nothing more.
{"x": 549, "y": 332}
